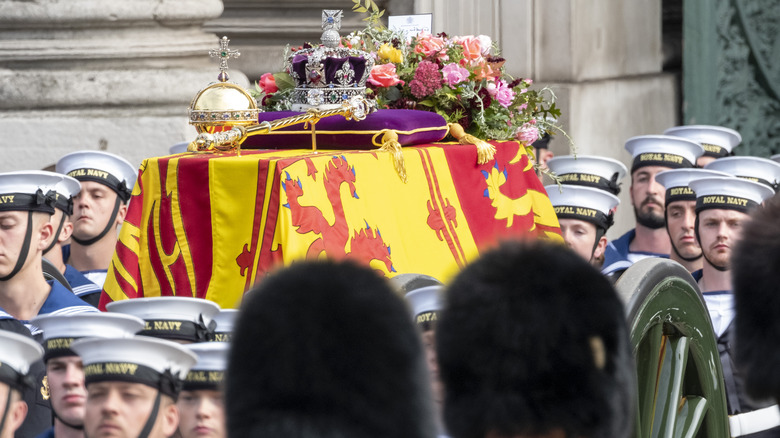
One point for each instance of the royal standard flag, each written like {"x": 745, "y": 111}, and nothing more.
{"x": 212, "y": 225}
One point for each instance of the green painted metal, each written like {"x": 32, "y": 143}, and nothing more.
{"x": 731, "y": 69}
{"x": 680, "y": 384}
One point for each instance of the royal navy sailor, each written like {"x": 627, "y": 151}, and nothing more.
{"x": 723, "y": 205}
{"x": 761, "y": 170}
{"x": 201, "y": 406}
{"x": 64, "y": 370}
{"x": 99, "y": 209}
{"x": 680, "y": 214}
{"x": 132, "y": 385}
{"x": 651, "y": 154}
{"x": 17, "y": 354}
{"x": 180, "y": 319}
{"x": 717, "y": 141}
{"x": 585, "y": 214}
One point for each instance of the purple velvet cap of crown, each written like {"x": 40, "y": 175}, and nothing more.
{"x": 331, "y": 67}
{"x": 395, "y": 119}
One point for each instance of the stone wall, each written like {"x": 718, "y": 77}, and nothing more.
{"x": 100, "y": 74}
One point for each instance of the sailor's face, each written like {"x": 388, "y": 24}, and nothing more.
{"x": 66, "y": 385}
{"x": 121, "y": 409}
{"x": 680, "y": 222}
{"x": 647, "y": 195}
{"x": 580, "y": 236}
{"x": 13, "y": 229}
{"x": 719, "y": 231}
{"x": 92, "y": 209}
{"x": 201, "y": 414}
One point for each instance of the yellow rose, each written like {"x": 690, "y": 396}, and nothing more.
{"x": 389, "y": 53}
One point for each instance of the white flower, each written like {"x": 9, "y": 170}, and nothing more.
{"x": 485, "y": 43}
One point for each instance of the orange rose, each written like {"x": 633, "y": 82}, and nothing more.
{"x": 384, "y": 75}
{"x": 428, "y": 44}
{"x": 472, "y": 49}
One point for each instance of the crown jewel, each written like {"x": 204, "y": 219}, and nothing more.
{"x": 327, "y": 75}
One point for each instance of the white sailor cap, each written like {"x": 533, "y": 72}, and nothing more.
{"x": 208, "y": 372}
{"x": 425, "y": 302}
{"x": 677, "y": 182}
{"x": 180, "y": 318}
{"x": 717, "y": 141}
{"x": 776, "y": 158}
{"x": 179, "y": 148}
{"x": 103, "y": 167}
{"x": 729, "y": 193}
{"x": 32, "y": 190}
{"x": 756, "y": 169}
{"x": 153, "y": 362}
{"x": 583, "y": 203}
{"x": 590, "y": 171}
{"x": 17, "y": 354}
{"x": 225, "y": 320}
{"x": 64, "y": 189}
{"x": 663, "y": 150}
{"x": 59, "y": 331}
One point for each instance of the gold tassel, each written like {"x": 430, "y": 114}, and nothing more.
{"x": 485, "y": 150}
{"x": 390, "y": 144}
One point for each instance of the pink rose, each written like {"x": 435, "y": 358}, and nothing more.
{"x": 501, "y": 92}
{"x": 384, "y": 75}
{"x": 454, "y": 74}
{"x": 428, "y": 44}
{"x": 527, "y": 134}
{"x": 267, "y": 83}
{"x": 472, "y": 49}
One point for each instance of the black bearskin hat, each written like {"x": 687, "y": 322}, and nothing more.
{"x": 756, "y": 277}
{"x": 326, "y": 349}
{"x": 533, "y": 339}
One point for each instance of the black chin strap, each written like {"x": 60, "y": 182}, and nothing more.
{"x": 72, "y": 426}
{"x": 105, "y": 231}
{"x": 152, "y": 417}
{"x": 600, "y": 232}
{"x": 674, "y": 248}
{"x": 718, "y": 267}
{"x": 56, "y": 235}
{"x": 6, "y": 409}
{"x": 25, "y": 249}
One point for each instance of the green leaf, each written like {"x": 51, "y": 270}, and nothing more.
{"x": 284, "y": 81}
{"x": 427, "y": 102}
{"x": 361, "y": 9}
{"x": 374, "y": 7}
{"x": 381, "y": 13}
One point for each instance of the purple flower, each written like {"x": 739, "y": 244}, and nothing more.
{"x": 454, "y": 74}
{"x": 427, "y": 79}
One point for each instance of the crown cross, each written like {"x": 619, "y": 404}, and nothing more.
{"x": 224, "y": 53}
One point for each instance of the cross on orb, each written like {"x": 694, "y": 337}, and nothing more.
{"x": 224, "y": 53}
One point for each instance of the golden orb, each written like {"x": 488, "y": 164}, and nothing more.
{"x": 222, "y": 104}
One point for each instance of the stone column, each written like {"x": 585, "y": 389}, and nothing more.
{"x": 602, "y": 59}
{"x": 100, "y": 74}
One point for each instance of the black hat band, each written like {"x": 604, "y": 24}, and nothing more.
{"x": 58, "y": 347}
{"x": 596, "y": 217}
{"x": 724, "y": 202}
{"x": 672, "y": 161}
{"x": 129, "y": 372}
{"x": 222, "y": 337}
{"x": 182, "y": 330}
{"x": 27, "y": 202}
{"x": 427, "y": 320}
{"x": 203, "y": 379}
{"x": 64, "y": 203}
{"x": 590, "y": 180}
{"x": 102, "y": 177}
{"x": 683, "y": 193}
{"x": 760, "y": 180}
{"x": 713, "y": 150}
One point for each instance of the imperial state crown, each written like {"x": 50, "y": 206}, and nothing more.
{"x": 327, "y": 75}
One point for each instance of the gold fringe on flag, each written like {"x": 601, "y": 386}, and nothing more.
{"x": 390, "y": 144}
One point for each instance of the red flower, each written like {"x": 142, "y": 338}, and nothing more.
{"x": 267, "y": 83}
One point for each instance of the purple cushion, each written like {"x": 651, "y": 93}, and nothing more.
{"x": 336, "y": 132}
